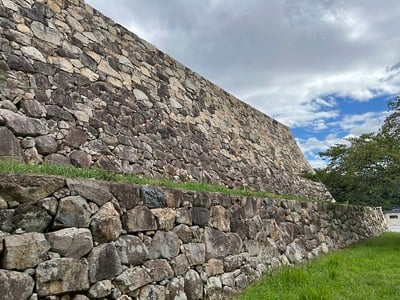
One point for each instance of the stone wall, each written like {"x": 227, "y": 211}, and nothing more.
{"x": 73, "y": 239}
{"x": 76, "y": 88}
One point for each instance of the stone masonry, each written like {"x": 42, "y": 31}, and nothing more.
{"x": 76, "y": 88}
{"x": 74, "y": 239}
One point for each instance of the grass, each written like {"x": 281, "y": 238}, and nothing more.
{"x": 16, "y": 167}
{"x": 367, "y": 270}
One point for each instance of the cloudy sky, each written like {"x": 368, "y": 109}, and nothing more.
{"x": 325, "y": 68}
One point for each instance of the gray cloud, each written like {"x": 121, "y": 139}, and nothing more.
{"x": 278, "y": 55}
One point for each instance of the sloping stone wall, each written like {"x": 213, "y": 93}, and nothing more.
{"x": 83, "y": 239}
{"x": 76, "y": 88}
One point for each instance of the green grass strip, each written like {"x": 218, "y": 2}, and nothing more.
{"x": 15, "y": 167}
{"x": 367, "y": 270}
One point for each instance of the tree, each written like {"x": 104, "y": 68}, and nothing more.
{"x": 391, "y": 126}
{"x": 366, "y": 171}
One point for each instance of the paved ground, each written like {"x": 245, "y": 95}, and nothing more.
{"x": 395, "y": 228}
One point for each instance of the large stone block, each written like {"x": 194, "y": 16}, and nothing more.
{"x": 196, "y": 253}
{"x": 233, "y": 262}
{"x": 249, "y": 207}
{"x": 9, "y": 145}
{"x": 46, "y": 144}
{"x": 105, "y": 67}
{"x": 128, "y": 195}
{"x": 7, "y": 104}
{"x": 71, "y": 242}
{"x": 33, "y": 108}
{"x": 106, "y": 224}
{"x": 31, "y": 218}
{"x": 131, "y": 250}
{"x": 252, "y": 247}
{"x": 184, "y": 233}
{"x": 140, "y": 219}
{"x": 153, "y": 197}
{"x": 28, "y": 188}
{"x": 15, "y": 285}
{"x": 173, "y": 197}
{"x": 132, "y": 279}
{"x": 6, "y": 220}
{"x": 22, "y": 125}
{"x": 152, "y": 292}
{"x": 80, "y": 159}
{"x": 184, "y": 216}
{"x": 92, "y": 190}
{"x": 180, "y": 264}
{"x": 193, "y": 285}
{"x": 213, "y": 288}
{"x": 214, "y": 267}
{"x": 73, "y": 211}
{"x": 200, "y": 199}
{"x": 127, "y": 153}
{"x": 175, "y": 289}
{"x": 159, "y": 269}
{"x": 24, "y": 251}
{"x": 220, "y": 218}
{"x": 109, "y": 163}
{"x": 216, "y": 243}
{"x": 295, "y": 251}
{"x": 200, "y": 216}
{"x": 57, "y": 159}
{"x": 62, "y": 275}
{"x": 75, "y": 137}
{"x": 20, "y": 63}
{"x": 273, "y": 229}
{"x": 46, "y": 34}
{"x": 104, "y": 263}
{"x": 234, "y": 243}
{"x": 164, "y": 244}
{"x": 165, "y": 218}
{"x": 237, "y": 221}
{"x": 101, "y": 289}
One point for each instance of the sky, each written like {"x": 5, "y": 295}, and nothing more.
{"x": 325, "y": 68}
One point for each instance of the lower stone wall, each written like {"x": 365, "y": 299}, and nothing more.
{"x": 84, "y": 239}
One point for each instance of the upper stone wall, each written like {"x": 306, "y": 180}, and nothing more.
{"x": 77, "y": 88}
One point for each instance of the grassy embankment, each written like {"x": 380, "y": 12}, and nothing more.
{"x": 367, "y": 270}
{"x": 14, "y": 167}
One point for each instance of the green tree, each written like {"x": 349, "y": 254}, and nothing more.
{"x": 366, "y": 170}
{"x": 391, "y": 126}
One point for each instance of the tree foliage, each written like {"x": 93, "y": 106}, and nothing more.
{"x": 366, "y": 170}
{"x": 391, "y": 126}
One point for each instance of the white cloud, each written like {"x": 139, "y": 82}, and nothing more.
{"x": 317, "y": 163}
{"x": 367, "y": 122}
{"x": 349, "y": 125}
{"x": 311, "y": 102}
{"x": 312, "y": 146}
